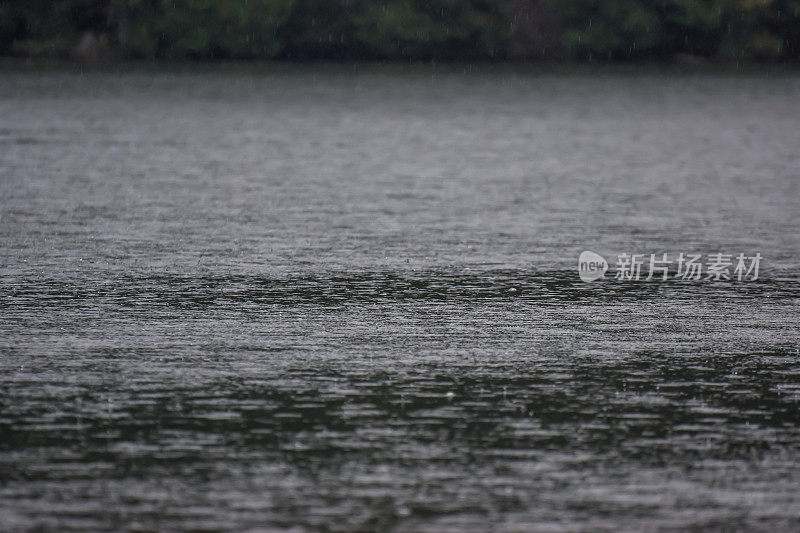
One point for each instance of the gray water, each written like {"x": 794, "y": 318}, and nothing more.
{"x": 337, "y": 298}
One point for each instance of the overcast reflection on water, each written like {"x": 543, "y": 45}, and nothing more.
{"x": 322, "y": 298}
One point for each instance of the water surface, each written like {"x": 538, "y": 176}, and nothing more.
{"x": 343, "y": 299}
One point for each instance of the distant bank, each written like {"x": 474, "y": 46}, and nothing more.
{"x": 674, "y": 31}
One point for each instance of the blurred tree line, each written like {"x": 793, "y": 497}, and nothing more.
{"x": 403, "y": 29}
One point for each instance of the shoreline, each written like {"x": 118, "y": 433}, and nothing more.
{"x": 31, "y": 64}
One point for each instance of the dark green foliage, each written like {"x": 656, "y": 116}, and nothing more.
{"x": 221, "y": 28}
{"x": 433, "y": 28}
{"x": 727, "y": 29}
{"x": 404, "y": 29}
{"x": 322, "y": 29}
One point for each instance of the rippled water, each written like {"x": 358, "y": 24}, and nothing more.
{"x": 339, "y": 298}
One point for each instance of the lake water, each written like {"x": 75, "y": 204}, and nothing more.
{"x": 346, "y": 298}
